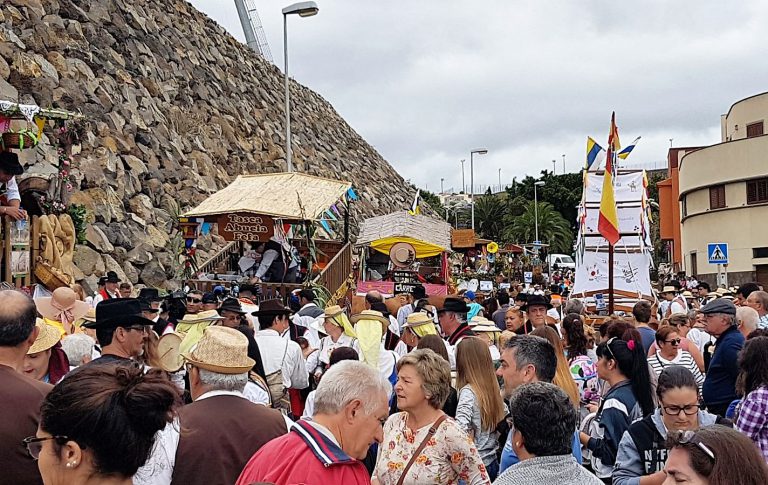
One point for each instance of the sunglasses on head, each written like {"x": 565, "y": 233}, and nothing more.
{"x": 689, "y": 437}
{"x": 194, "y": 300}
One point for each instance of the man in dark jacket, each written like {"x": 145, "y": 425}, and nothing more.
{"x": 719, "y": 388}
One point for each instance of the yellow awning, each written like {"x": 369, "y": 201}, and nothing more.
{"x": 423, "y": 249}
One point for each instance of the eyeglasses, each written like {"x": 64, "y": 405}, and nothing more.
{"x": 674, "y": 341}
{"x": 194, "y": 300}
{"x": 689, "y": 410}
{"x": 689, "y": 437}
{"x": 35, "y": 445}
{"x": 138, "y": 328}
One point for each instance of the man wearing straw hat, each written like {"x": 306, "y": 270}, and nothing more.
{"x": 221, "y": 429}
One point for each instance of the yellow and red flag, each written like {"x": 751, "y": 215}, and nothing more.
{"x": 608, "y": 221}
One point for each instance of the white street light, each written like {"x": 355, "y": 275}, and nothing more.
{"x": 302, "y": 9}
{"x": 536, "y": 214}
{"x": 479, "y": 151}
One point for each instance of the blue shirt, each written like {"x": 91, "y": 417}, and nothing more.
{"x": 648, "y": 336}
{"x": 720, "y": 382}
{"x": 509, "y": 457}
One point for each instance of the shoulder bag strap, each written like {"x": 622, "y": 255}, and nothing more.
{"x": 430, "y": 434}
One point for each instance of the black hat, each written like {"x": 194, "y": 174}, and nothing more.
{"x": 456, "y": 305}
{"x": 232, "y": 305}
{"x": 210, "y": 298}
{"x": 521, "y": 296}
{"x": 149, "y": 294}
{"x": 102, "y": 281}
{"x": 269, "y": 308}
{"x": 536, "y": 300}
{"x": 112, "y": 277}
{"x": 119, "y": 312}
{"x": 419, "y": 292}
{"x": 146, "y": 306}
{"x": 9, "y": 163}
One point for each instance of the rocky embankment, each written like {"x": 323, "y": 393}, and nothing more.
{"x": 176, "y": 109}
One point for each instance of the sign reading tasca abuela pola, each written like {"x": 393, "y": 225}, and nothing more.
{"x": 246, "y": 227}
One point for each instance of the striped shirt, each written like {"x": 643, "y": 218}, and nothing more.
{"x": 683, "y": 358}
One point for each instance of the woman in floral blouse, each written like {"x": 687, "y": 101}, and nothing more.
{"x": 449, "y": 456}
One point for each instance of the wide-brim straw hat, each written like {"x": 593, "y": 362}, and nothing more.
{"x": 486, "y": 329}
{"x": 333, "y": 311}
{"x": 168, "y": 350}
{"x": 63, "y": 299}
{"x": 222, "y": 350}
{"x": 206, "y": 316}
{"x": 47, "y": 338}
{"x": 668, "y": 289}
{"x": 478, "y": 320}
{"x": 687, "y": 294}
{"x": 369, "y": 315}
{"x": 89, "y": 317}
{"x": 417, "y": 319}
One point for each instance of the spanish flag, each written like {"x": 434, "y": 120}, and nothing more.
{"x": 608, "y": 221}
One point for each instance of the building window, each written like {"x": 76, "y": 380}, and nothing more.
{"x": 694, "y": 265}
{"x": 755, "y": 129}
{"x": 759, "y": 253}
{"x": 757, "y": 191}
{"x": 684, "y": 206}
{"x": 717, "y": 197}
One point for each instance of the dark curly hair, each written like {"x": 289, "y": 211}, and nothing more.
{"x": 573, "y": 328}
{"x": 113, "y": 411}
{"x": 753, "y": 372}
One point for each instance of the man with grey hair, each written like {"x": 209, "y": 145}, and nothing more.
{"x": 79, "y": 349}
{"x": 351, "y": 406}
{"x": 526, "y": 359}
{"x": 574, "y": 305}
{"x": 719, "y": 388}
{"x": 746, "y": 319}
{"x": 216, "y": 434}
{"x": 759, "y": 301}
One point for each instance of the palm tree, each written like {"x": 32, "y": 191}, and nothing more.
{"x": 489, "y": 217}
{"x": 553, "y": 228}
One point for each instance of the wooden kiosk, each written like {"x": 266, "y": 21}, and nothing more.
{"x": 296, "y": 207}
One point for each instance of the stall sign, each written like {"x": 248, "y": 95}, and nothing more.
{"x": 246, "y": 227}
{"x": 528, "y": 275}
{"x": 486, "y": 285}
{"x": 405, "y": 282}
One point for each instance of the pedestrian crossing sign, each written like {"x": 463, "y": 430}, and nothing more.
{"x": 717, "y": 253}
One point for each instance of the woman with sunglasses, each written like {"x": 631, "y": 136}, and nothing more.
{"x": 98, "y": 425}
{"x": 669, "y": 353}
{"x": 715, "y": 455}
{"x": 622, "y": 364}
{"x": 681, "y": 323}
{"x": 642, "y": 451}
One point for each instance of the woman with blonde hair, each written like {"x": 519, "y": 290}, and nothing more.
{"x": 480, "y": 407}
{"x": 563, "y": 378}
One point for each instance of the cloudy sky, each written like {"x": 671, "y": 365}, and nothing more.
{"x": 426, "y": 81}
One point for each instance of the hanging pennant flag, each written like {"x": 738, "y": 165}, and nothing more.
{"x": 330, "y": 215}
{"x": 608, "y": 221}
{"x": 205, "y": 228}
{"x": 416, "y": 206}
{"x": 351, "y": 194}
{"x": 336, "y": 210}
{"x": 626, "y": 151}
{"x": 595, "y": 154}
{"x": 325, "y": 225}
{"x": 40, "y": 122}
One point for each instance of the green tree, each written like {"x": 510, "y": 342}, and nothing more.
{"x": 489, "y": 217}
{"x": 553, "y": 228}
{"x": 433, "y": 201}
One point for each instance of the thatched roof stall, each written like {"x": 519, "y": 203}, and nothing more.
{"x": 428, "y": 236}
{"x": 287, "y": 196}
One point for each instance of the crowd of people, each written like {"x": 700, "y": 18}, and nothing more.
{"x": 513, "y": 388}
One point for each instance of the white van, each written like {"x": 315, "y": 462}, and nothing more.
{"x": 560, "y": 262}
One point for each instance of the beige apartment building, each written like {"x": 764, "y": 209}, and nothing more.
{"x": 723, "y": 197}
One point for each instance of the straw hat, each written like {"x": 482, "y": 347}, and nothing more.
{"x": 369, "y": 315}
{"x": 222, "y": 350}
{"x": 89, "y": 317}
{"x": 687, "y": 294}
{"x": 168, "y": 348}
{"x": 417, "y": 319}
{"x": 668, "y": 289}
{"x": 333, "y": 311}
{"x": 486, "y": 328}
{"x": 206, "y": 316}
{"x": 47, "y": 338}
{"x": 478, "y": 320}
{"x": 62, "y": 305}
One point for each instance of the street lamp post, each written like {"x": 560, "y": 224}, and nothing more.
{"x": 463, "y": 184}
{"x": 500, "y": 188}
{"x": 536, "y": 215}
{"x": 479, "y": 151}
{"x": 563, "y": 163}
{"x": 553, "y": 166}
{"x": 302, "y": 9}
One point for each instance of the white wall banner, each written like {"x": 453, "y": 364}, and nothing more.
{"x": 631, "y": 272}
{"x": 626, "y": 188}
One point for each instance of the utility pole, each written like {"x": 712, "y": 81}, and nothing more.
{"x": 563, "y": 163}
{"x": 463, "y": 184}
{"x": 553, "y": 166}
{"x": 441, "y": 185}
{"x": 500, "y": 187}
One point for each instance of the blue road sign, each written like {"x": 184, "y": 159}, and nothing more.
{"x": 717, "y": 253}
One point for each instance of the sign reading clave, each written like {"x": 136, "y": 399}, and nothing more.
{"x": 246, "y": 227}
